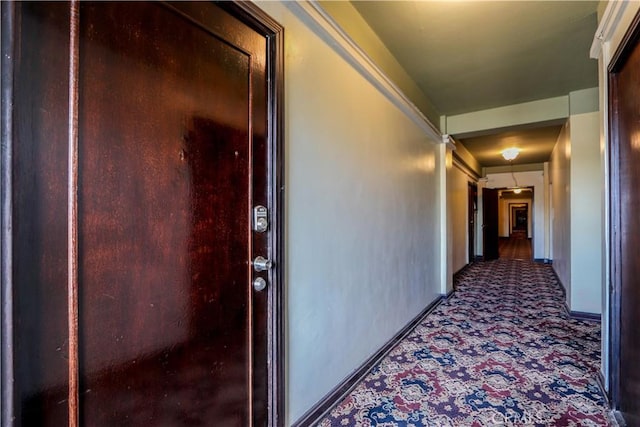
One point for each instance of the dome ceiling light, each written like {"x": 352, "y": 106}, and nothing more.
{"x": 510, "y": 154}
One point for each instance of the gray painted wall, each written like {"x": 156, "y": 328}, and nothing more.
{"x": 459, "y": 210}
{"x": 576, "y": 172}
{"x": 586, "y": 210}
{"x": 361, "y": 216}
{"x": 560, "y": 171}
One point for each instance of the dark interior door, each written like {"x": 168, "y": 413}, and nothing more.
{"x": 490, "y": 223}
{"x": 171, "y": 125}
{"x": 521, "y": 219}
{"x": 471, "y": 209}
{"x": 625, "y": 219}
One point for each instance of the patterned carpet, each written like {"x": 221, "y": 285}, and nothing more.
{"x": 500, "y": 351}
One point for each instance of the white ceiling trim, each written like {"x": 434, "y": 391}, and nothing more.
{"x": 349, "y": 49}
{"x": 508, "y": 116}
{"x": 608, "y": 24}
{"x": 449, "y": 141}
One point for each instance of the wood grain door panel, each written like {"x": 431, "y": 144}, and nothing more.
{"x": 39, "y": 213}
{"x": 173, "y": 118}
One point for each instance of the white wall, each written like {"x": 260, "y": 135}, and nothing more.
{"x": 458, "y": 183}
{"x": 577, "y": 212}
{"x": 466, "y": 157}
{"x": 548, "y": 212}
{"x": 444, "y": 170}
{"x": 560, "y": 176}
{"x": 526, "y": 179}
{"x": 362, "y": 215}
{"x": 586, "y": 214}
{"x": 354, "y": 24}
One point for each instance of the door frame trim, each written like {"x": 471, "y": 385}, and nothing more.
{"x": 260, "y": 21}
{"x": 619, "y": 58}
{"x": 6, "y": 279}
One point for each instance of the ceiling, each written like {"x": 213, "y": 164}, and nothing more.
{"x": 535, "y": 144}
{"x": 474, "y": 55}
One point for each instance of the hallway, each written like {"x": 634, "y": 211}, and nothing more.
{"x": 500, "y": 351}
{"x": 515, "y": 248}
{"x": 275, "y": 196}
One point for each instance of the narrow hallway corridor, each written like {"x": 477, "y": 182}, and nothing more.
{"x": 515, "y": 248}
{"x": 501, "y": 350}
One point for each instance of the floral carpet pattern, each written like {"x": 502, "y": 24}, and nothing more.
{"x": 500, "y": 351}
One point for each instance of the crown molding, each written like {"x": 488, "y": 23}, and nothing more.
{"x": 608, "y": 24}
{"x": 459, "y": 163}
{"x": 449, "y": 142}
{"x": 457, "y": 160}
{"x": 331, "y": 32}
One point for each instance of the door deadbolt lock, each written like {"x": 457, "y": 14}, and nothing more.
{"x": 262, "y": 264}
{"x": 260, "y": 219}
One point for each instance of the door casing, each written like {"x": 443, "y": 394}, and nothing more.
{"x": 618, "y": 196}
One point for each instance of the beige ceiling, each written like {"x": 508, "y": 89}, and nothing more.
{"x": 535, "y": 145}
{"x": 473, "y": 55}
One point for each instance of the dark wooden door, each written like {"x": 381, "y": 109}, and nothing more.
{"x": 471, "y": 209}
{"x": 625, "y": 220}
{"x": 521, "y": 219}
{"x": 490, "y": 224}
{"x": 141, "y": 149}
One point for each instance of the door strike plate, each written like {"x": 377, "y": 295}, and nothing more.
{"x": 260, "y": 219}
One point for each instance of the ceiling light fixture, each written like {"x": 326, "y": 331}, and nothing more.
{"x": 510, "y": 153}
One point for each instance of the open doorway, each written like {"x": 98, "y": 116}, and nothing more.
{"x": 515, "y": 230}
{"x": 518, "y": 220}
{"x": 507, "y": 223}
